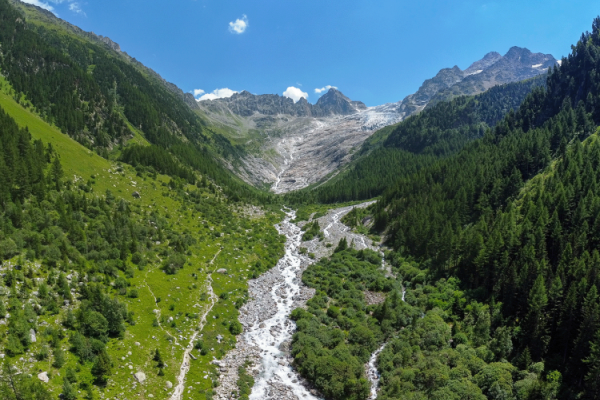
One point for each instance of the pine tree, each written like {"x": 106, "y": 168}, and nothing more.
{"x": 158, "y": 358}
{"x": 592, "y": 378}
{"x": 589, "y": 325}
{"x": 342, "y": 245}
{"x": 536, "y": 319}
{"x": 68, "y": 392}
{"x": 59, "y": 358}
{"x": 56, "y": 173}
{"x": 102, "y": 368}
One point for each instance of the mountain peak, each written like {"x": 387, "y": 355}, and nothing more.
{"x": 523, "y": 58}
{"x": 332, "y": 95}
{"x": 335, "y": 102}
{"x": 515, "y": 52}
{"x": 246, "y": 104}
{"x": 488, "y": 60}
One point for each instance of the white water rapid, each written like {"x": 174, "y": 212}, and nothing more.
{"x": 373, "y": 374}
{"x": 271, "y": 334}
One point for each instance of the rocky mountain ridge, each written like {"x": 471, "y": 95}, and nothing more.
{"x": 246, "y": 104}
{"x": 299, "y": 144}
{"x": 493, "y": 69}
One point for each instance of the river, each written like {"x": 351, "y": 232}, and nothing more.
{"x": 268, "y": 329}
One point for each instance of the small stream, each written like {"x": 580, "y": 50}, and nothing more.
{"x": 373, "y": 374}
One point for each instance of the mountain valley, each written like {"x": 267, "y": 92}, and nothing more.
{"x": 294, "y": 145}
{"x": 153, "y": 246}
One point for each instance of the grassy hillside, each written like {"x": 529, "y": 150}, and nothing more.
{"x": 166, "y": 309}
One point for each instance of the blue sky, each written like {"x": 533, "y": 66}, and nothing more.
{"x": 373, "y": 51}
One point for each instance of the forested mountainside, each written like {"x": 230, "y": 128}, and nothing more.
{"x": 102, "y": 100}
{"x": 402, "y": 149}
{"x": 497, "y": 248}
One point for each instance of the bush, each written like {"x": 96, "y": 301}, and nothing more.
{"x": 333, "y": 312}
{"x": 102, "y": 368}
{"x": 312, "y": 229}
{"x": 43, "y": 353}
{"x": 174, "y": 263}
{"x": 136, "y": 258}
{"x": 14, "y": 346}
{"x": 59, "y": 358}
{"x": 460, "y": 338}
{"x": 235, "y": 328}
{"x": 8, "y": 248}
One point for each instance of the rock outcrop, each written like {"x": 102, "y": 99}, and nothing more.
{"x": 43, "y": 376}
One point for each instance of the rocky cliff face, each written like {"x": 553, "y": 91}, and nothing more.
{"x": 294, "y": 145}
{"x": 335, "y": 103}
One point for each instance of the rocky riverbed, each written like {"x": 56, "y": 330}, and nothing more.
{"x": 265, "y": 344}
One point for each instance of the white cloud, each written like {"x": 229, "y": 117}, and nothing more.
{"x": 39, "y": 3}
{"x": 321, "y": 90}
{"x": 76, "y": 8}
{"x": 295, "y": 94}
{"x": 215, "y": 94}
{"x": 197, "y": 92}
{"x": 239, "y": 26}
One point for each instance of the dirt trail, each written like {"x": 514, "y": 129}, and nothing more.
{"x": 185, "y": 364}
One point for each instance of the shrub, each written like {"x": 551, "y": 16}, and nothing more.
{"x": 235, "y": 328}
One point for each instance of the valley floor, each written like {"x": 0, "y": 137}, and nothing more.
{"x": 265, "y": 345}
